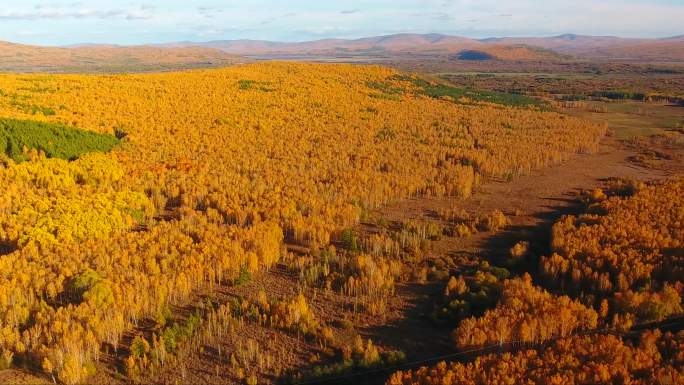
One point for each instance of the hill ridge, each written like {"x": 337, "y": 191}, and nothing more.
{"x": 576, "y": 45}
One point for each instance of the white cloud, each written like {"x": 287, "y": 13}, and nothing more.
{"x": 76, "y": 11}
{"x": 172, "y": 20}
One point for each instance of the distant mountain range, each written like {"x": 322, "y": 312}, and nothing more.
{"x": 101, "y": 57}
{"x": 378, "y": 45}
{"x": 507, "y": 48}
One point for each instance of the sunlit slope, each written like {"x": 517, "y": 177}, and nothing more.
{"x": 106, "y": 58}
{"x": 215, "y": 170}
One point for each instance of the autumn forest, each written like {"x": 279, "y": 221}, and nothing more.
{"x": 286, "y": 222}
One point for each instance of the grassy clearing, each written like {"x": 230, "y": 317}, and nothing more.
{"x": 506, "y": 99}
{"x": 246, "y": 84}
{"x": 55, "y": 140}
{"x": 457, "y": 94}
{"x": 636, "y": 119}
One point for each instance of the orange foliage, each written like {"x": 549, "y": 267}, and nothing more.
{"x": 216, "y": 169}
{"x": 632, "y": 247}
{"x": 582, "y": 360}
{"x": 525, "y": 313}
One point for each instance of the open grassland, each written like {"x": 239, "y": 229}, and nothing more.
{"x": 633, "y": 105}
{"x": 619, "y": 86}
{"x": 216, "y": 171}
{"x": 629, "y": 120}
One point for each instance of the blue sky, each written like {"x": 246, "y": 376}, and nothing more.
{"x": 154, "y": 21}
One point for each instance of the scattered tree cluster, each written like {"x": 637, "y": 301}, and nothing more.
{"x": 470, "y": 293}
{"x": 525, "y": 313}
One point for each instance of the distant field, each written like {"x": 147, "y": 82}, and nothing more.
{"x": 577, "y": 86}
{"x": 441, "y": 90}
{"x": 633, "y": 119}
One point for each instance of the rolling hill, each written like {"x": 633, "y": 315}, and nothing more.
{"x": 661, "y": 50}
{"x": 570, "y": 44}
{"x": 505, "y": 48}
{"x": 181, "y": 55}
{"x": 26, "y": 58}
{"x": 604, "y": 47}
{"x": 389, "y": 45}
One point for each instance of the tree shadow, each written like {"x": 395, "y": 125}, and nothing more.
{"x": 423, "y": 340}
{"x": 415, "y": 334}
{"x": 496, "y": 247}
{"x": 7, "y": 248}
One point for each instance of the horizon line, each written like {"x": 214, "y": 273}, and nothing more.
{"x": 522, "y": 36}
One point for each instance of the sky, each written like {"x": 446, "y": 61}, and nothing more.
{"x": 163, "y": 21}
